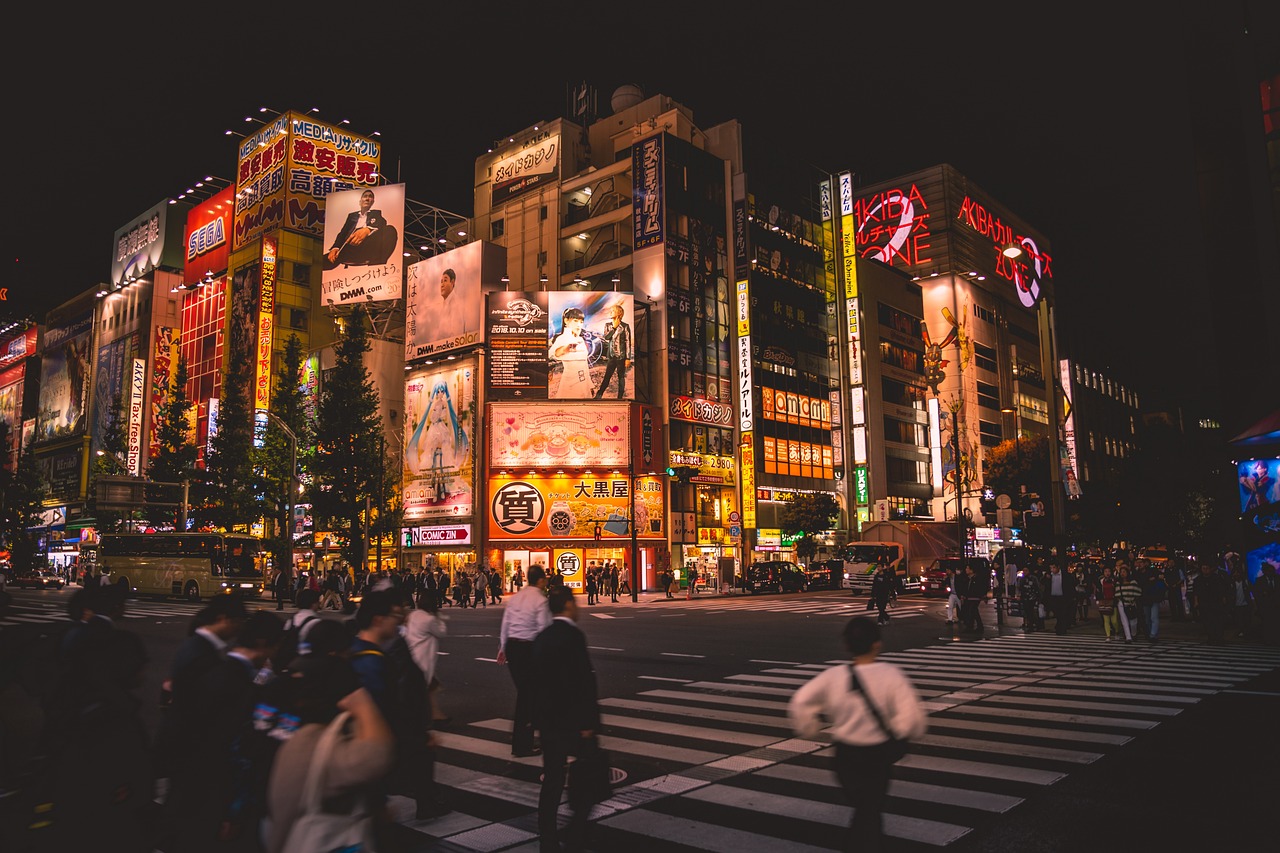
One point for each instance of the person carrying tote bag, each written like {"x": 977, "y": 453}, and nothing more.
{"x": 325, "y": 762}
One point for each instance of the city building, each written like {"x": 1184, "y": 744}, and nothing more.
{"x": 1103, "y": 423}
{"x": 19, "y": 388}
{"x": 637, "y": 201}
{"x": 986, "y": 281}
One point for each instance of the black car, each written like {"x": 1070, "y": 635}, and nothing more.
{"x": 775, "y": 576}
{"x": 934, "y": 579}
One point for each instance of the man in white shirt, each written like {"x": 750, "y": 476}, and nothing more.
{"x": 872, "y": 708}
{"x": 524, "y": 618}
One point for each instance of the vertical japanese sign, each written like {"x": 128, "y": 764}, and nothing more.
{"x": 848, "y": 252}
{"x": 861, "y": 486}
{"x": 164, "y": 367}
{"x": 646, "y": 174}
{"x": 266, "y": 323}
{"x": 855, "y": 349}
{"x": 260, "y": 173}
{"x": 137, "y": 387}
{"x": 747, "y": 469}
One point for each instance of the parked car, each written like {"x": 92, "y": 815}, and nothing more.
{"x": 934, "y": 580}
{"x": 38, "y": 580}
{"x": 775, "y": 576}
{"x": 825, "y": 575}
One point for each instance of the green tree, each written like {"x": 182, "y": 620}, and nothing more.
{"x": 22, "y": 494}
{"x": 229, "y": 467}
{"x": 807, "y": 515}
{"x": 114, "y": 446}
{"x": 175, "y": 458}
{"x": 348, "y": 432}
{"x": 1012, "y": 464}
{"x": 273, "y": 459}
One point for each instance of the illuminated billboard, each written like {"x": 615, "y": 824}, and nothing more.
{"x": 438, "y": 462}
{"x": 164, "y": 369}
{"x": 64, "y": 380}
{"x": 516, "y": 335}
{"x": 546, "y": 435}
{"x": 573, "y": 506}
{"x": 648, "y": 205}
{"x": 535, "y": 164}
{"x": 266, "y": 324}
{"x": 207, "y": 243}
{"x": 149, "y": 241}
{"x": 363, "y": 259}
{"x": 444, "y": 302}
{"x": 1259, "y": 481}
{"x": 286, "y": 170}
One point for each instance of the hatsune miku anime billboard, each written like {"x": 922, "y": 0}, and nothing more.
{"x": 439, "y": 448}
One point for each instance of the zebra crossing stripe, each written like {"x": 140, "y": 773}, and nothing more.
{"x": 702, "y": 835}
{"x": 900, "y": 789}
{"x": 678, "y": 754}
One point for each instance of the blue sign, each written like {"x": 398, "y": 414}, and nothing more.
{"x": 646, "y": 181}
{"x": 735, "y": 530}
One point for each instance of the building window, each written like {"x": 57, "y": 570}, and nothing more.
{"x": 988, "y": 395}
{"x": 302, "y": 273}
{"x": 497, "y": 228}
{"x": 906, "y": 470}
{"x": 901, "y": 394}
{"x": 990, "y": 434}
{"x": 985, "y": 357}
{"x": 1093, "y": 442}
{"x": 983, "y": 314}
{"x": 904, "y": 432}
{"x": 542, "y": 212}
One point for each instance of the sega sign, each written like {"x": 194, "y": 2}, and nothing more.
{"x": 208, "y": 241}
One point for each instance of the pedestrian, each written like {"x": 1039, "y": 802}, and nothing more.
{"x": 873, "y": 711}
{"x": 341, "y": 750}
{"x": 297, "y": 632}
{"x": 1057, "y": 596}
{"x": 1083, "y": 590}
{"x": 953, "y": 596}
{"x": 1154, "y": 591}
{"x": 973, "y": 589}
{"x": 1104, "y": 593}
{"x": 281, "y": 586}
{"x": 517, "y": 580}
{"x": 464, "y": 589}
{"x": 1127, "y": 594}
{"x": 1175, "y": 579}
{"x": 423, "y": 630}
{"x": 568, "y": 715}
{"x": 592, "y": 587}
{"x": 230, "y": 817}
{"x": 1266, "y": 595}
{"x": 522, "y": 621}
{"x": 881, "y": 590}
{"x": 481, "y": 588}
{"x": 693, "y": 581}
{"x": 624, "y": 580}
{"x": 1211, "y": 600}
{"x": 1240, "y": 594}
{"x": 495, "y": 587}
{"x": 1029, "y": 594}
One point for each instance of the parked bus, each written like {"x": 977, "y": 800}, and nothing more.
{"x": 192, "y": 565}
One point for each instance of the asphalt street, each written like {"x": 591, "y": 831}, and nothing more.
{"x": 1037, "y": 742}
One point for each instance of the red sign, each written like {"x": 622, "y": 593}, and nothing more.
{"x": 207, "y": 239}
{"x": 893, "y": 227}
{"x": 18, "y": 347}
{"x": 1027, "y": 271}
{"x": 702, "y": 411}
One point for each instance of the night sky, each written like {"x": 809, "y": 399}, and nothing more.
{"x": 1077, "y": 122}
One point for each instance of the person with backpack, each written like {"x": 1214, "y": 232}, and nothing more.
{"x": 296, "y": 632}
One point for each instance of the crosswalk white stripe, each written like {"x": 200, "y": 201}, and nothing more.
{"x": 1132, "y": 684}
{"x": 744, "y": 688}
{"x": 702, "y": 835}
{"x": 1053, "y": 717}
{"x": 1107, "y": 694}
{"x": 981, "y": 769}
{"x": 1049, "y": 753}
{"x": 767, "y": 679}
{"x": 679, "y": 754}
{"x": 717, "y": 699}
{"x": 699, "y": 713}
{"x": 916, "y": 829}
{"x": 1055, "y": 733}
{"x": 899, "y": 788}
{"x": 1014, "y": 699}
{"x": 686, "y": 731}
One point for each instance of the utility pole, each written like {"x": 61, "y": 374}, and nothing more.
{"x": 631, "y": 524}
{"x": 382, "y": 498}
{"x": 955, "y": 450}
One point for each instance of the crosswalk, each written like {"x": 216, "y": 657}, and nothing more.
{"x": 820, "y": 604}
{"x": 713, "y": 765}
{"x": 30, "y": 611}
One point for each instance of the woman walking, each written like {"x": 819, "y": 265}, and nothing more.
{"x": 873, "y": 711}
{"x": 1104, "y": 593}
{"x": 1127, "y": 594}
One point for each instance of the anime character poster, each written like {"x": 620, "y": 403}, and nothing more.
{"x": 1259, "y": 483}
{"x": 438, "y": 464}
{"x": 591, "y": 345}
{"x": 64, "y": 381}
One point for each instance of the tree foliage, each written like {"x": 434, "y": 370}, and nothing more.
{"x": 114, "y": 446}
{"x": 231, "y": 501}
{"x": 175, "y": 457}
{"x": 807, "y": 515}
{"x": 274, "y": 459}
{"x": 348, "y": 434}
{"x": 1014, "y": 463}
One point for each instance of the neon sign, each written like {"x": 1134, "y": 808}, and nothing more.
{"x": 893, "y": 227}
{"x": 1029, "y": 270}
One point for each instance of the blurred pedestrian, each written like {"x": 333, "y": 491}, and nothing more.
{"x": 568, "y": 716}
{"x": 873, "y": 711}
{"x": 1211, "y": 600}
{"x": 423, "y": 630}
{"x": 1240, "y": 594}
{"x": 881, "y": 591}
{"x": 524, "y": 618}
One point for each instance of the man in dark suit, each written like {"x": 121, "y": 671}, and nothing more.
{"x": 617, "y": 352}
{"x": 568, "y": 717}
{"x": 365, "y": 238}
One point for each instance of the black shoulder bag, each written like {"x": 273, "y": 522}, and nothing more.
{"x": 896, "y": 746}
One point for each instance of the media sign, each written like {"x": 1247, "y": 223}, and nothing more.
{"x": 532, "y": 166}
{"x": 208, "y": 237}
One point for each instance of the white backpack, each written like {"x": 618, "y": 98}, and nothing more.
{"x": 318, "y": 831}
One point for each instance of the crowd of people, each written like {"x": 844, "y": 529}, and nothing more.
{"x": 340, "y": 588}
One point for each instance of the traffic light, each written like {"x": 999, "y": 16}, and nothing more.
{"x": 599, "y": 532}
{"x": 682, "y": 474}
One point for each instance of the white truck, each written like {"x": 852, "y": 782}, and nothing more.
{"x": 908, "y": 546}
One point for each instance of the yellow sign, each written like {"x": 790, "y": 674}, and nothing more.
{"x": 266, "y": 319}
{"x": 748, "y": 471}
{"x": 711, "y": 535}
{"x": 711, "y": 469}
{"x": 744, "y": 309}
{"x": 568, "y": 563}
{"x": 848, "y": 256}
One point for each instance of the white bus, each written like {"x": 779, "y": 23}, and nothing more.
{"x": 191, "y": 565}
